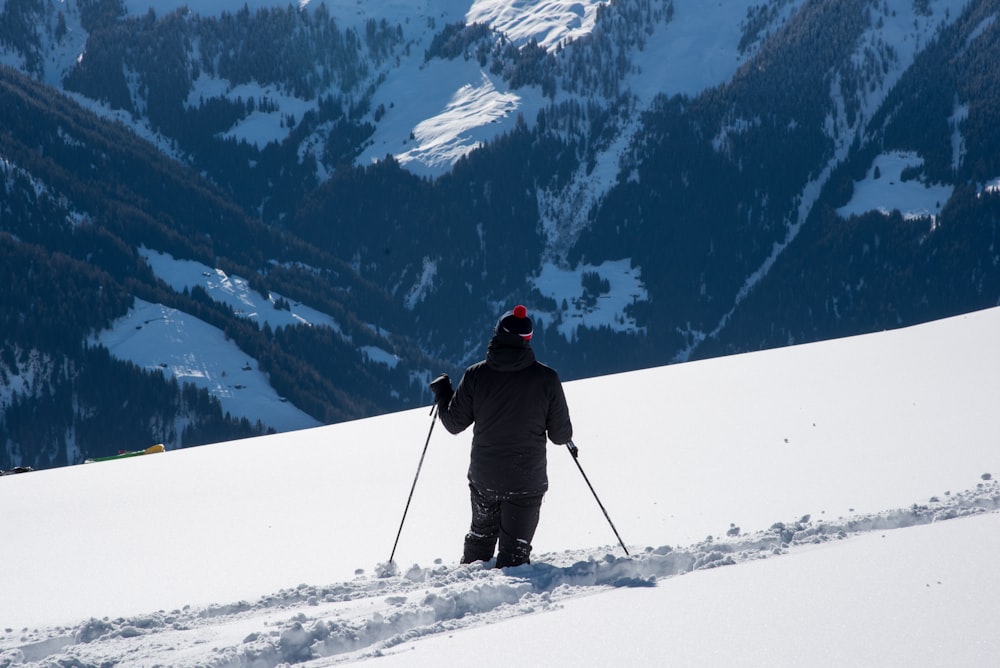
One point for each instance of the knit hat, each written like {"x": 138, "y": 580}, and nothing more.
{"x": 515, "y": 321}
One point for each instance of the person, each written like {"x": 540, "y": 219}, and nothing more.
{"x": 514, "y": 401}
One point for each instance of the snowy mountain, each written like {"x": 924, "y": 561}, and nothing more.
{"x": 825, "y": 504}
{"x": 658, "y": 180}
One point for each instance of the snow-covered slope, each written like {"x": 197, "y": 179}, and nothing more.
{"x": 190, "y": 350}
{"x": 793, "y": 466}
{"x": 156, "y": 337}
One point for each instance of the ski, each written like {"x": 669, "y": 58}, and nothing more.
{"x": 125, "y": 454}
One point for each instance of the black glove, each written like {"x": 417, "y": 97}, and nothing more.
{"x": 441, "y": 387}
{"x": 573, "y": 450}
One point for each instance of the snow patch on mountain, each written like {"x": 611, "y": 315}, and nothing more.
{"x": 548, "y": 23}
{"x": 274, "y": 115}
{"x": 461, "y": 125}
{"x": 380, "y": 355}
{"x": 886, "y": 187}
{"x": 235, "y": 292}
{"x": 423, "y": 285}
{"x": 437, "y": 112}
{"x": 589, "y": 306}
{"x": 179, "y": 345}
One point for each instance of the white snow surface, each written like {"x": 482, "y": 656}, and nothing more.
{"x": 827, "y": 504}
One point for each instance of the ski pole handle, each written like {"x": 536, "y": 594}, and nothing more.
{"x": 573, "y": 450}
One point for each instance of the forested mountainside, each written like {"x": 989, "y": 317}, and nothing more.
{"x": 657, "y": 181}
{"x": 81, "y": 197}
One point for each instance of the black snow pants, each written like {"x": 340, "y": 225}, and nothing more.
{"x": 511, "y": 519}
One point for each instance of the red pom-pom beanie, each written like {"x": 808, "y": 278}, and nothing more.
{"x": 515, "y": 321}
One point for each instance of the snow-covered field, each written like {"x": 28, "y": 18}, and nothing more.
{"x": 829, "y": 504}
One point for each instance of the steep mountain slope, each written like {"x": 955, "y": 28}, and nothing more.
{"x": 656, "y": 180}
{"x": 904, "y": 228}
{"x": 724, "y": 183}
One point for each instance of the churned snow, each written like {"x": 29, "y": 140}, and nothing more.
{"x": 827, "y": 504}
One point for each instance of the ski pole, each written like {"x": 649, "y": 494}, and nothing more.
{"x": 573, "y": 450}
{"x": 414, "y": 486}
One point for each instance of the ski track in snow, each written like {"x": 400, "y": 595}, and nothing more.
{"x": 367, "y": 617}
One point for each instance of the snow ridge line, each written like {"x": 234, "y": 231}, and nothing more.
{"x": 364, "y": 618}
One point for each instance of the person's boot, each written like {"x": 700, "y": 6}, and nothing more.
{"x": 517, "y": 553}
{"x": 478, "y": 548}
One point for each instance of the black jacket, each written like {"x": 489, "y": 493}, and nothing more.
{"x": 514, "y": 402}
